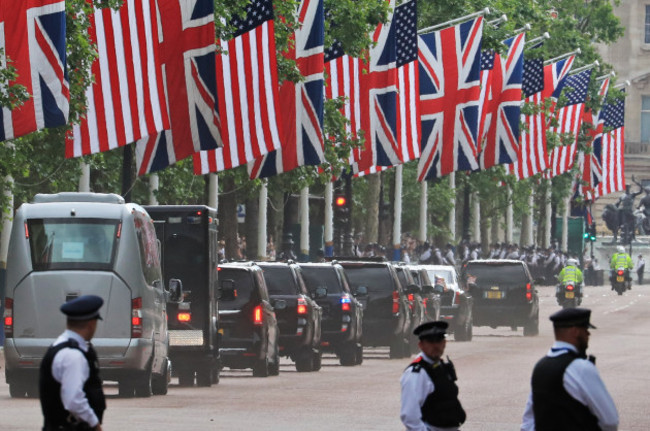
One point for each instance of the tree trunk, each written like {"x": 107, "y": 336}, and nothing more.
{"x": 275, "y": 216}
{"x": 252, "y": 217}
{"x": 228, "y": 218}
{"x": 371, "y": 203}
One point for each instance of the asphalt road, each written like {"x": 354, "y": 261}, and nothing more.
{"x": 494, "y": 371}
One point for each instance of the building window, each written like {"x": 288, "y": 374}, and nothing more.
{"x": 647, "y": 24}
{"x": 645, "y": 119}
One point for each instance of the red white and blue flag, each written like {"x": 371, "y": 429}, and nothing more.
{"x": 569, "y": 117}
{"x": 127, "y": 101}
{"x": 613, "y": 150}
{"x": 248, "y": 93}
{"x": 379, "y": 100}
{"x": 502, "y": 136}
{"x": 302, "y": 102}
{"x": 449, "y": 99}
{"x": 188, "y": 55}
{"x": 32, "y": 34}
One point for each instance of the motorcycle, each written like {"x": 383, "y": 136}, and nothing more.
{"x": 621, "y": 280}
{"x": 569, "y": 294}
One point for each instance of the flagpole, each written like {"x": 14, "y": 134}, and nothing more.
{"x": 583, "y": 68}
{"x": 626, "y": 83}
{"x": 496, "y": 22}
{"x": 560, "y": 57}
{"x": 609, "y": 75}
{"x": 538, "y": 39}
{"x": 451, "y": 22}
{"x": 526, "y": 27}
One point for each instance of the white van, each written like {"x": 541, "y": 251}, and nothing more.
{"x": 70, "y": 244}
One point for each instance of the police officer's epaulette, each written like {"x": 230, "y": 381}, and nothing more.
{"x": 73, "y": 343}
{"x": 416, "y": 365}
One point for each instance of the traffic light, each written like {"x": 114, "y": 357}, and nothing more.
{"x": 341, "y": 210}
{"x": 592, "y": 232}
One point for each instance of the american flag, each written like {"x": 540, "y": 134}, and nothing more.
{"x": 449, "y": 92}
{"x": 127, "y": 101}
{"x": 502, "y": 138}
{"x": 488, "y": 58}
{"x": 379, "y": 100}
{"x": 532, "y": 157}
{"x": 613, "y": 150}
{"x": 590, "y": 168}
{"x": 406, "y": 61}
{"x": 302, "y": 102}
{"x": 569, "y": 117}
{"x": 32, "y": 34}
{"x": 188, "y": 55}
{"x": 248, "y": 93}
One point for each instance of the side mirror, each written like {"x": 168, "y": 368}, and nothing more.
{"x": 361, "y": 291}
{"x": 279, "y": 304}
{"x": 320, "y": 292}
{"x": 428, "y": 289}
{"x": 227, "y": 291}
{"x": 413, "y": 288}
{"x": 175, "y": 290}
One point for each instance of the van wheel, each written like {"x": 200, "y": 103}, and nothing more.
{"x": 17, "y": 390}
{"x": 216, "y": 371}
{"x": 359, "y": 354}
{"x": 160, "y": 382}
{"x": 204, "y": 377}
{"x": 305, "y": 361}
{"x": 531, "y": 329}
{"x": 261, "y": 368}
{"x": 317, "y": 360}
{"x": 396, "y": 348}
{"x": 274, "y": 368}
{"x": 186, "y": 377}
{"x": 143, "y": 385}
{"x": 125, "y": 389}
{"x": 348, "y": 355}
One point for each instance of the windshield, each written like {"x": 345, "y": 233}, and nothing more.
{"x": 321, "y": 277}
{"x": 440, "y": 273}
{"x": 242, "y": 284}
{"x": 376, "y": 279}
{"x": 279, "y": 280}
{"x": 497, "y": 274}
{"x": 58, "y": 244}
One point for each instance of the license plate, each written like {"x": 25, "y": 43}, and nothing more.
{"x": 569, "y": 295}
{"x": 493, "y": 295}
{"x": 620, "y": 278}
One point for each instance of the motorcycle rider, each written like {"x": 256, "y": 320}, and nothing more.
{"x": 570, "y": 274}
{"x": 620, "y": 259}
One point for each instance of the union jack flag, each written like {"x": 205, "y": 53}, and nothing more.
{"x": 502, "y": 138}
{"x": 248, "y": 93}
{"x": 555, "y": 75}
{"x": 302, "y": 102}
{"x": 188, "y": 54}
{"x": 379, "y": 100}
{"x": 613, "y": 150}
{"x": 32, "y": 33}
{"x": 532, "y": 157}
{"x": 590, "y": 167}
{"x": 449, "y": 97}
{"x": 569, "y": 117}
{"x": 127, "y": 101}
{"x": 408, "y": 83}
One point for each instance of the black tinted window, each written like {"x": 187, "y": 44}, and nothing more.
{"x": 279, "y": 280}
{"x": 498, "y": 274}
{"x": 243, "y": 285}
{"x": 377, "y": 279}
{"x": 325, "y": 277}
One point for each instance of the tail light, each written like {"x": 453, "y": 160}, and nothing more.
{"x": 411, "y": 299}
{"x": 456, "y": 298}
{"x": 9, "y": 317}
{"x": 136, "y": 318}
{"x": 395, "y": 302}
{"x": 425, "y": 302}
{"x": 184, "y": 317}
{"x": 529, "y": 292}
{"x": 569, "y": 287}
{"x": 302, "y": 306}
{"x": 620, "y": 272}
{"x": 258, "y": 316}
{"x": 26, "y": 231}
{"x": 345, "y": 302}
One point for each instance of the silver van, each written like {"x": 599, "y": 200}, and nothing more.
{"x": 70, "y": 244}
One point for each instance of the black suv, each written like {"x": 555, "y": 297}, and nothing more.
{"x": 342, "y": 312}
{"x": 386, "y": 316}
{"x": 504, "y": 294}
{"x": 415, "y": 298}
{"x": 300, "y": 320}
{"x": 247, "y": 323}
{"x": 456, "y": 303}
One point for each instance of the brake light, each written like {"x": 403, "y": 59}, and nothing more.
{"x": 302, "y": 306}
{"x": 184, "y": 317}
{"x": 425, "y": 302}
{"x": 395, "y": 302}
{"x": 569, "y": 287}
{"x": 529, "y": 292}
{"x": 119, "y": 230}
{"x": 26, "y": 231}
{"x": 345, "y": 302}
{"x": 456, "y": 298}
{"x": 9, "y": 317}
{"x": 258, "y": 318}
{"x": 620, "y": 272}
{"x": 411, "y": 297}
{"x": 136, "y": 317}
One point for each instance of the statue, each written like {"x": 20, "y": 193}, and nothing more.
{"x": 611, "y": 218}
{"x": 644, "y": 205}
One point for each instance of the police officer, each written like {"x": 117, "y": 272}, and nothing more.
{"x": 620, "y": 259}
{"x": 429, "y": 392}
{"x": 567, "y": 392}
{"x": 571, "y": 274}
{"x": 70, "y": 387}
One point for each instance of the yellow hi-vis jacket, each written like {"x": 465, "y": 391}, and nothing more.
{"x": 570, "y": 274}
{"x": 621, "y": 260}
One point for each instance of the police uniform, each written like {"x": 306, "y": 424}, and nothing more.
{"x": 567, "y": 392}
{"x": 70, "y": 386}
{"x": 429, "y": 392}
